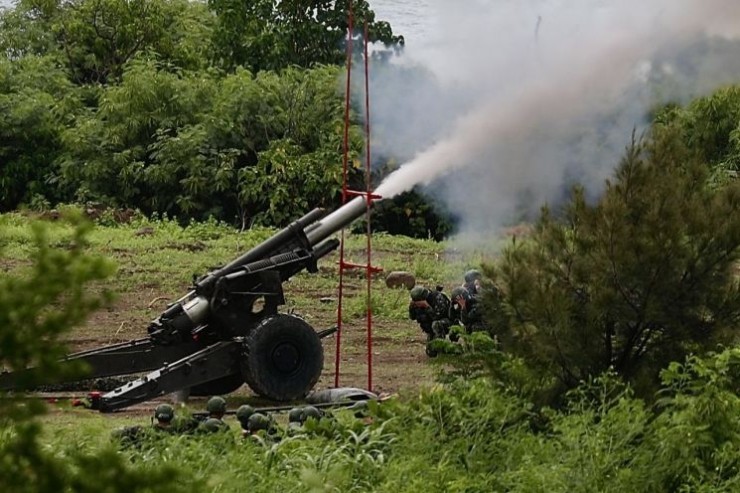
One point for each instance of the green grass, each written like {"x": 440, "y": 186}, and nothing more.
{"x": 467, "y": 435}
{"x": 157, "y": 260}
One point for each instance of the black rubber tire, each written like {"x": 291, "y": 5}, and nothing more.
{"x": 284, "y": 358}
{"x": 221, "y": 386}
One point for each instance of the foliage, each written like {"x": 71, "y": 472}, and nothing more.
{"x": 698, "y": 431}
{"x": 36, "y": 102}
{"x": 411, "y": 214}
{"x": 36, "y": 308}
{"x": 96, "y": 38}
{"x": 632, "y": 282}
{"x": 124, "y": 105}
{"x": 268, "y": 35}
{"x": 169, "y": 142}
{"x": 711, "y": 126}
{"x": 483, "y": 429}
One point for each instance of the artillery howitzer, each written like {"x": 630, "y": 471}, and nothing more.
{"x": 227, "y": 330}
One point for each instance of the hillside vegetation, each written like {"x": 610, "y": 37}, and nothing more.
{"x": 189, "y": 131}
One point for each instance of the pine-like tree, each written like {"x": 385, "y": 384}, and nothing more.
{"x": 638, "y": 279}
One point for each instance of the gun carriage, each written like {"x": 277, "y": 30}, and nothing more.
{"x": 227, "y": 330}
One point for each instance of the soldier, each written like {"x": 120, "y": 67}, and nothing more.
{"x": 311, "y": 412}
{"x": 163, "y": 415}
{"x": 466, "y": 309}
{"x": 431, "y": 310}
{"x": 242, "y": 415}
{"x": 472, "y": 282}
{"x": 216, "y": 408}
{"x": 259, "y": 422}
{"x": 296, "y": 418}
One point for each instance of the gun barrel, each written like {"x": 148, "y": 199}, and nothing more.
{"x": 285, "y": 240}
{"x": 337, "y": 220}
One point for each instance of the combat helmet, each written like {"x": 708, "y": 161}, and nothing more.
{"x": 472, "y": 275}
{"x": 459, "y": 291}
{"x": 311, "y": 412}
{"x": 213, "y": 425}
{"x": 216, "y": 405}
{"x": 164, "y": 413}
{"x": 258, "y": 421}
{"x": 243, "y": 414}
{"x": 419, "y": 293}
{"x": 296, "y": 415}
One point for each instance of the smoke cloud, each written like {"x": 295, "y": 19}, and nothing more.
{"x": 517, "y": 99}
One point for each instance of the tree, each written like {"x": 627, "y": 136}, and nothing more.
{"x": 711, "y": 125}
{"x": 36, "y": 308}
{"x": 267, "y": 145}
{"x": 98, "y": 37}
{"x": 270, "y": 35}
{"x": 637, "y": 280}
{"x": 36, "y": 101}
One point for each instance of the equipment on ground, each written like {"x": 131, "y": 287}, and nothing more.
{"x": 227, "y": 330}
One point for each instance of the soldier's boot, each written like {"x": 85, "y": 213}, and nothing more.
{"x": 439, "y": 329}
{"x": 432, "y": 353}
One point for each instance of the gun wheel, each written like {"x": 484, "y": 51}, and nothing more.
{"x": 284, "y": 358}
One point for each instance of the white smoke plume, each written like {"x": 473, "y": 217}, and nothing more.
{"x": 529, "y": 96}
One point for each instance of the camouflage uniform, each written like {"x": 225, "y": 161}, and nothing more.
{"x": 431, "y": 310}
{"x": 471, "y": 316}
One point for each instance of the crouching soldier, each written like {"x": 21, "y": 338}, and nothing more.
{"x": 466, "y": 309}
{"x": 431, "y": 310}
{"x": 262, "y": 425}
{"x": 473, "y": 279}
{"x": 164, "y": 414}
{"x": 242, "y": 415}
{"x": 216, "y": 407}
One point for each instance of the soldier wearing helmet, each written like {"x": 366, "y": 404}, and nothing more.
{"x": 431, "y": 310}
{"x": 163, "y": 416}
{"x": 216, "y": 407}
{"x": 311, "y": 412}
{"x": 262, "y": 425}
{"x": 242, "y": 415}
{"x": 472, "y": 282}
{"x": 296, "y": 418}
{"x": 258, "y": 422}
{"x": 213, "y": 425}
{"x": 466, "y": 309}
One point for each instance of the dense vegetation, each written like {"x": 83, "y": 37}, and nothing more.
{"x": 483, "y": 428}
{"x": 611, "y": 363}
{"x": 643, "y": 277}
{"x": 222, "y": 109}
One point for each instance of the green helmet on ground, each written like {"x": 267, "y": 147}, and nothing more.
{"x": 296, "y": 415}
{"x": 216, "y": 405}
{"x": 472, "y": 275}
{"x": 164, "y": 413}
{"x": 419, "y": 293}
{"x": 213, "y": 425}
{"x": 244, "y": 412}
{"x": 258, "y": 421}
{"x": 311, "y": 412}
